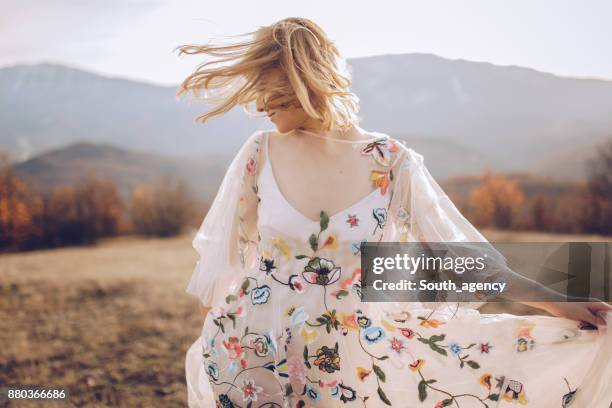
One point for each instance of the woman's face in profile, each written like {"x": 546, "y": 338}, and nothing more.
{"x": 283, "y": 110}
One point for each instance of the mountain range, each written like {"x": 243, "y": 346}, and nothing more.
{"x": 463, "y": 116}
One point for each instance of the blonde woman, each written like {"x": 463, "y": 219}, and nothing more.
{"x": 279, "y": 264}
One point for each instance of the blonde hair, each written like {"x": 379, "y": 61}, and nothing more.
{"x": 313, "y": 74}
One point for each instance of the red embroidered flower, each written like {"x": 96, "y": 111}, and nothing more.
{"x": 485, "y": 348}
{"x": 352, "y": 220}
{"x": 251, "y": 166}
{"x": 407, "y": 333}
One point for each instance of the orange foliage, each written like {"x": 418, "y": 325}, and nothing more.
{"x": 495, "y": 201}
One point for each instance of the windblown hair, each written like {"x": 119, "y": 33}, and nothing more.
{"x": 313, "y": 73}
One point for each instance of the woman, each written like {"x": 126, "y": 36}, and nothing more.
{"x": 280, "y": 271}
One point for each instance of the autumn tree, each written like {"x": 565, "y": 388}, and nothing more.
{"x": 162, "y": 208}
{"x": 495, "y": 200}
{"x": 597, "y": 209}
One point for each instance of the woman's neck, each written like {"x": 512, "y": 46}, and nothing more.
{"x": 353, "y": 134}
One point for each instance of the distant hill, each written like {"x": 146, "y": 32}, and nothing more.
{"x": 68, "y": 165}
{"x": 462, "y": 115}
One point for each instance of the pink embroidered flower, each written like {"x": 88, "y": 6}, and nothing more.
{"x": 251, "y": 166}
{"x": 297, "y": 374}
{"x": 397, "y": 345}
{"x": 233, "y": 347}
{"x": 408, "y": 333}
{"x": 250, "y": 390}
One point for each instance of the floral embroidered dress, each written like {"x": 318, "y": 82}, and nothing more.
{"x": 287, "y": 327}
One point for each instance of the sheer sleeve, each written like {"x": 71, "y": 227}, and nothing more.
{"x": 423, "y": 212}
{"x": 227, "y": 238}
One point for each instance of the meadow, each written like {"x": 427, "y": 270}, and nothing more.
{"x": 112, "y": 322}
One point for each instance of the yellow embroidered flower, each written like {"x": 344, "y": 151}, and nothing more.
{"x": 289, "y": 311}
{"x": 363, "y": 373}
{"x": 417, "y": 365}
{"x": 282, "y": 247}
{"x": 331, "y": 242}
{"x": 380, "y": 179}
{"x": 388, "y": 326}
{"x": 349, "y": 321}
{"x": 431, "y": 323}
{"x": 485, "y": 380}
{"x": 308, "y": 335}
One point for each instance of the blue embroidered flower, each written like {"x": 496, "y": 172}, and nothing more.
{"x": 298, "y": 316}
{"x": 260, "y": 295}
{"x": 455, "y": 348}
{"x": 380, "y": 215}
{"x": 374, "y": 334}
{"x": 313, "y": 393}
{"x": 225, "y": 401}
{"x": 213, "y": 370}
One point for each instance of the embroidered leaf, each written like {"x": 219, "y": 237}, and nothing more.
{"x": 438, "y": 349}
{"x": 473, "y": 364}
{"x": 379, "y": 372}
{"x": 245, "y": 285}
{"x": 232, "y": 317}
{"x": 422, "y": 390}
{"x": 246, "y": 330}
{"x": 323, "y": 220}
{"x": 447, "y": 402}
{"x": 341, "y": 293}
{"x": 436, "y": 338}
{"x": 301, "y": 256}
{"x": 383, "y": 396}
{"x": 306, "y": 362}
{"x": 314, "y": 242}
{"x": 494, "y": 397}
{"x": 230, "y": 298}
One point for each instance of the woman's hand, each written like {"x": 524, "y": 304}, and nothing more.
{"x": 590, "y": 312}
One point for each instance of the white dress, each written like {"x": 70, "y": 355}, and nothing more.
{"x": 287, "y": 328}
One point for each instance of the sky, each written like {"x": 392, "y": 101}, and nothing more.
{"x": 136, "y": 38}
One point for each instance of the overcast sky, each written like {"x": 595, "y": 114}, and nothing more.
{"x": 136, "y": 38}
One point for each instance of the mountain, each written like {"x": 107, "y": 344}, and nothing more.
{"x": 461, "y": 115}
{"x": 67, "y": 165}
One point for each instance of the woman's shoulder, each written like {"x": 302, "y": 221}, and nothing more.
{"x": 405, "y": 154}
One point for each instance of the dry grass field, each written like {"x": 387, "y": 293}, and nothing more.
{"x": 111, "y": 323}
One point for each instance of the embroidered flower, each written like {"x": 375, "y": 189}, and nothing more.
{"x": 251, "y": 166}
{"x": 363, "y": 373}
{"x": 308, "y": 335}
{"x": 296, "y": 283}
{"x": 250, "y": 390}
{"x": 212, "y": 370}
{"x": 321, "y": 271}
{"x": 225, "y": 401}
{"x": 485, "y": 348}
{"x": 417, "y": 365}
{"x": 381, "y": 150}
{"x": 380, "y": 179}
{"x": 485, "y": 380}
{"x": 298, "y": 316}
{"x": 267, "y": 265}
{"x": 347, "y": 393}
{"x": 373, "y": 334}
{"x": 233, "y": 348}
{"x": 260, "y": 295}
{"x": 455, "y": 348}
{"x": 356, "y": 246}
{"x": 408, "y": 333}
{"x": 364, "y": 322}
{"x": 380, "y": 215}
{"x": 262, "y": 345}
{"x": 352, "y": 220}
{"x": 328, "y": 359}
{"x": 312, "y": 393}
{"x": 397, "y": 345}
{"x": 331, "y": 242}
{"x": 431, "y": 323}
